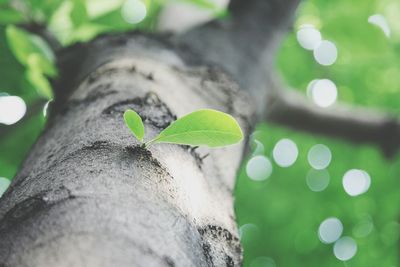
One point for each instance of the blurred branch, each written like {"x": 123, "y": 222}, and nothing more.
{"x": 355, "y": 124}
{"x": 251, "y": 12}
{"x": 244, "y": 43}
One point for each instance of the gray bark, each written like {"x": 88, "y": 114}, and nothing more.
{"x": 89, "y": 195}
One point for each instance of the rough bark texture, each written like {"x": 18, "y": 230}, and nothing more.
{"x": 89, "y": 195}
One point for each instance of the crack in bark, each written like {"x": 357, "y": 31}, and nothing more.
{"x": 31, "y": 206}
{"x": 150, "y": 108}
{"x": 94, "y": 76}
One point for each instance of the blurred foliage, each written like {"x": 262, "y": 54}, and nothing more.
{"x": 367, "y": 71}
{"x": 284, "y": 214}
{"x": 279, "y": 217}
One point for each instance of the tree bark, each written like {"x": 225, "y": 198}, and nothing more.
{"x": 89, "y": 195}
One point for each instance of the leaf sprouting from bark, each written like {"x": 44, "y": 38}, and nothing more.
{"x": 203, "y": 127}
{"x": 134, "y": 123}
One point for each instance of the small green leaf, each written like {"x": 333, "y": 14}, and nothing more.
{"x": 203, "y": 127}
{"x": 134, "y": 123}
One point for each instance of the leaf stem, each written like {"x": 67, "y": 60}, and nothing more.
{"x": 149, "y": 143}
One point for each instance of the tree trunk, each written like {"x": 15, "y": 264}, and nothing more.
{"x": 89, "y": 195}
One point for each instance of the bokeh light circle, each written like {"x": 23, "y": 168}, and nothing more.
{"x": 319, "y": 157}
{"x": 308, "y": 36}
{"x": 248, "y": 233}
{"x": 325, "y": 53}
{"x": 381, "y": 22}
{"x": 345, "y": 248}
{"x": 330, "y": 230}
{"x": 364, "y": 227}
{"x": 257, "y": 147}
{"x": 133, "y": 11}
{"x": 12, "y": 109}
{"x": 259, "y": 168}
{"x": 285, "y": 152}
{"x": 323, "y": 92}
{"x": 317, "y": 180}
{"x": 356, "y": 182}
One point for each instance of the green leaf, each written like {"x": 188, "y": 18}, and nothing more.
{"x": 134, "y": 123}
{"x": 79, "y": 14}
{"x": 203, "y": 127}
{"x": 40, "y": 83}
{"x": 33, "y": 53}
{"x": 23, "y": 44}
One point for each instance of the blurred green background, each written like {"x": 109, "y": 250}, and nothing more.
{"x": 280, "y": 206}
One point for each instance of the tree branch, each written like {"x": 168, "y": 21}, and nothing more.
{"x": 355, "y": 124}
{"x": 245, "y": 46}
{"x": 245, "y": 43}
